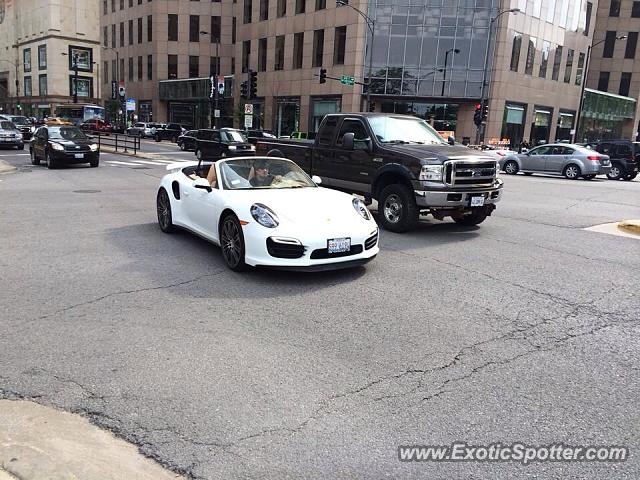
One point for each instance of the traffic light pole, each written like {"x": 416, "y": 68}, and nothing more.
{"x": 216, "y": 94}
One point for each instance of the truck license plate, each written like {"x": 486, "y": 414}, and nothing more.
{"x": 477, "y": 201}
{"x": 79, "y": 155}
{"x": 338, "y": 245}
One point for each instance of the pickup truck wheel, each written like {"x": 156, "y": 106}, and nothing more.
{"x": 397, "y": 209}
{"x": 631, "y": 176}
{"x": 511, "y": 167}
{"x": 472, "y": 219}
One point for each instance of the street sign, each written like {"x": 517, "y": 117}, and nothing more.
{"x": 248, "y": 121}
{"x": 216, "y": 113}
{"x": 212, "y": 93}
{"x": 131, "y": 104}
{"x": 248, "y": 108}
{"x": 114, "y": 90}
{"x": 347, "y": 80}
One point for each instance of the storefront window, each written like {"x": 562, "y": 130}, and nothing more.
{"x": 321, "y": 107}
{"x": 541, "y": 126}
{"x": 513, "y": 124}
{"x": 287, "y": 117}
{"x": 565, "y": 125}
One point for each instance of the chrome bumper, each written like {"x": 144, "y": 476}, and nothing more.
{"x": 457, "y": 198}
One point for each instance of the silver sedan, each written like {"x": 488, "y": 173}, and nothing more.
{"x": 572, "y": 161}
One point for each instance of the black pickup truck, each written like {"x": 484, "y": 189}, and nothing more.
{"x": 400, "y": 161}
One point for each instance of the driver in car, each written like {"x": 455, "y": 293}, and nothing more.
{"x": 261, "y": 176}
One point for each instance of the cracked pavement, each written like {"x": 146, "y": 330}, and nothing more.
{"x": 525, "y": 329}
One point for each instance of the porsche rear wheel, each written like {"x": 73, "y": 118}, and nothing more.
{"x": 163, "y": 205}
{"x": 232, "y": 243}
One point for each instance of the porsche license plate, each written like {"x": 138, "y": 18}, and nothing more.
{"x": 477, "y": 201}
{"x": 79, "y": 155}
{"x": 338, "y": 245}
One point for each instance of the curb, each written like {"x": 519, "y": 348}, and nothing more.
{"x": 5, "y": 167}
{"x": 630, "y": 226}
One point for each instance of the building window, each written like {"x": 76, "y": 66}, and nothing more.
{"x": 42, "y": 85}
{"x": 568, "y": 66}
{"x": 632, "y": 43}
{"x": 551, "y": 11}
{"x": 339, "y": 44}
{"x": 625, "y": 83}
{"x": 149, "y": 28}
{"x": 515, "y": 51}
{"x": 544, "y": 59}
{"x": 122, "y": 34}
{"x": 26, "y": 59}
{"x": 84, "y": 85}
{"x": 121, "y": 72}
{"x": 281, "y": 8}
{"x": 233, "y": 65}
{"x": 248, "y": 6}
{"x": 149, "y": 67}
{"x": 113, "y": 36}
{"x": 105, "y": 8}
{"x": 614, "y": 8}
{"x": 234, "y": 24}
{"x": 114, "y": 70}
{"x": 318, "y": 47}
{"x": 83, "y": 57}
{"x": 42, "y": 57}
{"x": 172, "y": 65}
{"x": 603, "y": 81}
{"x": 140, "y": 68}
{"x": 131, "y": 69}
{"x": 140, "y": 30}
{"x": 300, "y": 6}
{"x": 27, "y": 87}
{"x": 513, "y": 123}
{"x": 587, "y": 24}
{"x": 105, "y": 36}
{"x": 557, "y": 60}
{"x": 130, "y": 32}
{"x": 298, "y": 49}
{"x": 580, "y": 69}
{"x": 121, "y": 4}
{"x": 531, "y": 55}
{"x": 172, "y": 34}
{"x": 105, "y": 72}
{"x": 262, "y": 55}
{"x": 246, "y": 54}
{"x": 194, "y": 66}
{"x": 113, "y": 5}
{"x": 609, "y": 44}
{"x": 214, "y": 66}
{"x": 194, "y": 28}
{"x": 264, "y": 10}
{"x": 635, "y": 10}
{"x": 279, "y": 59}
{"x": 216, "y": 29}
{"x": 321, "y": 4}
{"x": 130, "y": 3}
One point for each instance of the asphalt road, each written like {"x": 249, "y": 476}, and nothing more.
{"x": 524, "y": 329}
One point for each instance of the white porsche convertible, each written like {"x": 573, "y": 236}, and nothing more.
{"x": 265, "y": 211}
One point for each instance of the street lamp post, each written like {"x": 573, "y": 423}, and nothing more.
{"x": 216, "y": 94}
{"x": 371, "y": 24}
{"x": 117, "y": 72}
{"x": 483, "y": 93}
{"x": 583, "y": 85}
{"x": 446, "y": 60}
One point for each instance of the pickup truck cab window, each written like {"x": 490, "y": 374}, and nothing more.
{"x": 389, "y": 129}
{"x": 360, "y": 135}
{"x": 327, "y": 131}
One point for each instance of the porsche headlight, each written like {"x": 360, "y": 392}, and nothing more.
{"x": 361, "y": 208}
{"x": 57, "y": 146}
{"x": 264, "y": 215}
{"x": 431, "y": 173}
{"x": 93, "y": 147}
{"x": 232, "y": 147}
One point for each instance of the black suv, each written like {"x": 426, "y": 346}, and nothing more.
{"x": 171, "y": 132}
{"x": 624, "y": 155}
{"x": 62, "y": 144}
{"x": 187, "y": 141}
{"x": 226, "y": 142}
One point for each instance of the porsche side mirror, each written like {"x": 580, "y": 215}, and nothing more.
{"x": 316, "y": 179}
{"x": 347, "y": 141}
{"x": 202, "y": 184}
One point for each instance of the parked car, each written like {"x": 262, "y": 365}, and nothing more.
{"x": 10, "y": 136}
{"x": 624, "y": 155}
{"x": 267, "y": 212}
{"x": 169, "y": 132}
{"x": 571, "y": 160}
{"x": 187, "y": 141}
{"x": 402, "y": 162}
{"x": 56, "y": 145}
{"x": 24, "y": 124}
{"x": 227, "y": 142}
{"x": 97, "y": 125}
{"x": 141, "y": 129}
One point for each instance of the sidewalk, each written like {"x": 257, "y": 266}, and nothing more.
{"x": 38, "y": 443}
{"x": 5, "y": 168}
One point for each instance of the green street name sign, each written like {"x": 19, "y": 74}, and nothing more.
{"x": 347, "y": 80}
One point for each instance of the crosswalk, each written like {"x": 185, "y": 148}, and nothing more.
{"x": 142, "y": 163}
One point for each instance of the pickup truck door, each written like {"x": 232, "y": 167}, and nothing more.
{"x": 322, "y": 151}
{"x": 353, "y": 167}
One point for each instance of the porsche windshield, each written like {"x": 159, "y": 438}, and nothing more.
{"x": 404, "y": 130}
{"x": 66, "y": 133}
{"x": 263, "y": 173}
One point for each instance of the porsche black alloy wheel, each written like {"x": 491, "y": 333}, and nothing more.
{"x": 163, "y": 205}
{"x": 232, "y": 243}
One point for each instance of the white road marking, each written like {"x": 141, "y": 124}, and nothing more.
{"x": 16, "y": 155}
{"x": 148, "y": 162}
{"x": 128, "y": 164}
{"x": 168, "y": 162}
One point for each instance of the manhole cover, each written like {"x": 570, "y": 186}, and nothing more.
{"x": 87, "y": 191}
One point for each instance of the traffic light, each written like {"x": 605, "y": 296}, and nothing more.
{"x": 253, "y": 84}
{"x": 243, "y": 90}
{"x": 485, "y": 111}
{"x": 477, "y": 116}
{"x": 323, "y": 75}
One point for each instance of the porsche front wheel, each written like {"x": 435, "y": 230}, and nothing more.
{"x": 165, "y": 219}
{"x": 232, "y": 243}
